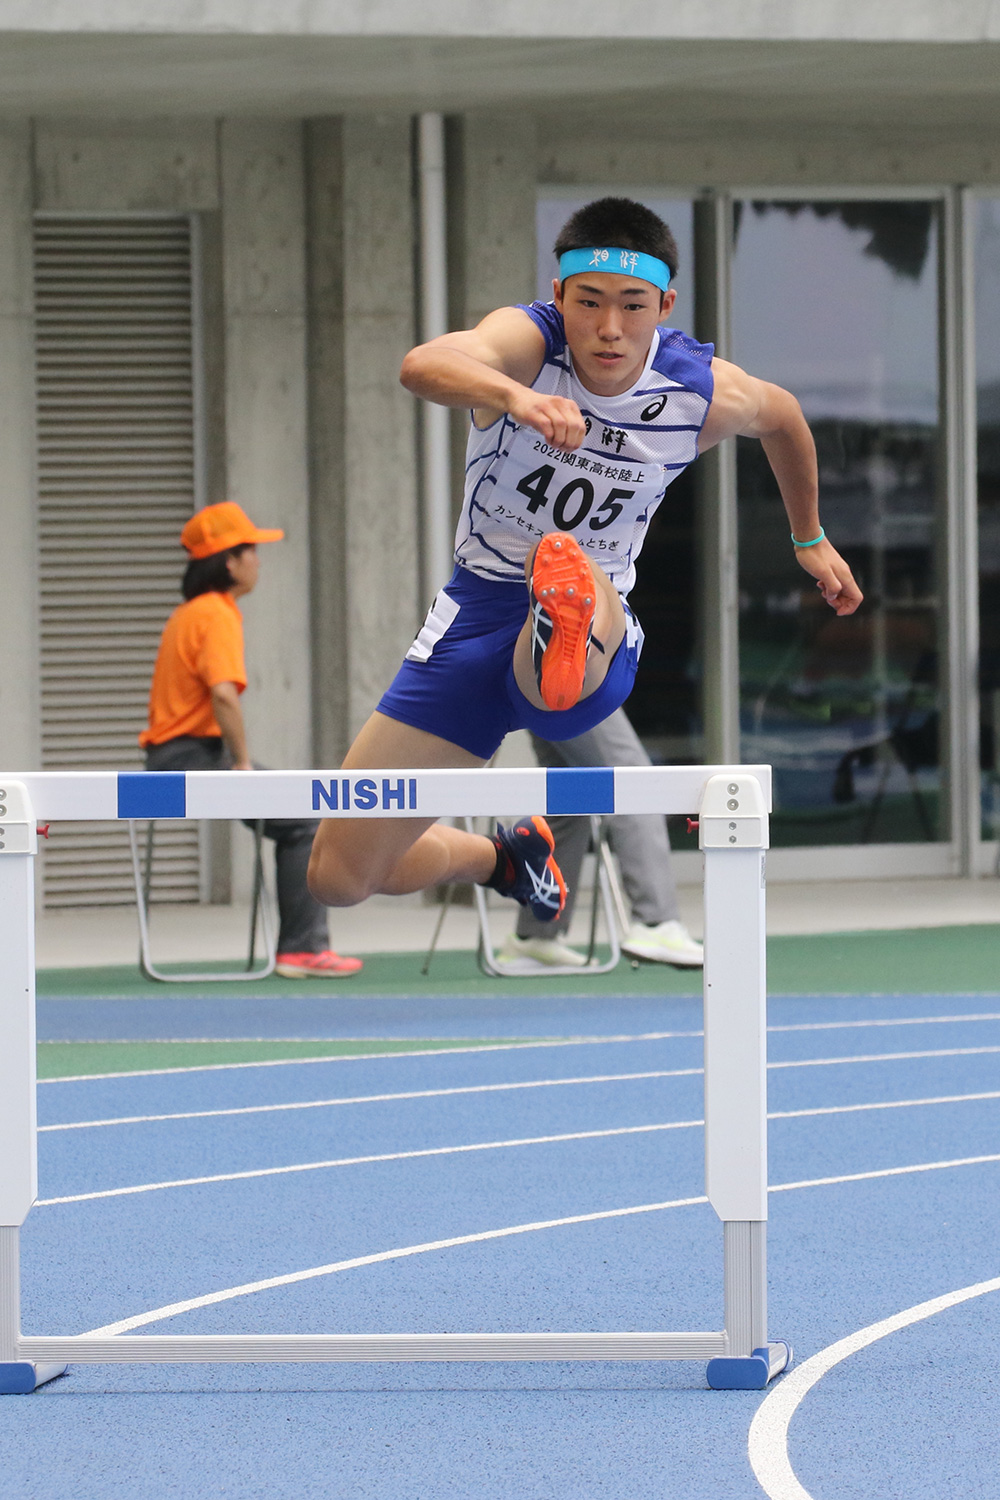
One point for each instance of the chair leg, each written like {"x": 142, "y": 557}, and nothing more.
{"x": 603, "y": 893}
{"x": 143, "y": 878}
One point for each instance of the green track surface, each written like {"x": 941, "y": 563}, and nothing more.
{"x": 935, "y": 960}
{"x": 83, "y": 1059}
{"x": 939, "y": 960}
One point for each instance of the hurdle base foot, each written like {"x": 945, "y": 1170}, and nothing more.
{"x": 749, "y": 1372}
{"x": 19, "y": 1377}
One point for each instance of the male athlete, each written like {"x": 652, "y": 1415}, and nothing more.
{"x": 584, "y": 409}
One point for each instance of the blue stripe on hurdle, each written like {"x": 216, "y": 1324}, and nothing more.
{"x": 151, "y": 794}
{"x": 580, "y": 789}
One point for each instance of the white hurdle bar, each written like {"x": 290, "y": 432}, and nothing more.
{"x": 732, "y": 804}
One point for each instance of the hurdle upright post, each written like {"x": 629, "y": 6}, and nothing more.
{"x": 733, "y": 835}
{"x": 18, "y": 1158}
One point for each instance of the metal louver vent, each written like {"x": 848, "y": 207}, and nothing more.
{"x": 116, "y": 482}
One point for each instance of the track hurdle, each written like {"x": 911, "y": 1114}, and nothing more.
{"x": 732, "y": 805}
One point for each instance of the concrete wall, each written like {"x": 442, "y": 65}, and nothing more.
{"x": 363, "y": 424}
{"x": 112, "y": 164}
{"x": 263, "y": 265}
{"x": 576, "y": 148}
{"x": 915, "y": 20}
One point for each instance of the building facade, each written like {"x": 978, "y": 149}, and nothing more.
{"x": 212, "y": 261}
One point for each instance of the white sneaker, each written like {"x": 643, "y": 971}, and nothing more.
{"x": 668, "y": 943}
{"x": 535, "y": 955}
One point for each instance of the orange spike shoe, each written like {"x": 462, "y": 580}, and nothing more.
{"x": 563, "y": 601}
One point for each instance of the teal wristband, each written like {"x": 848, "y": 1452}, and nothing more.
{"x": 815, "y": 541}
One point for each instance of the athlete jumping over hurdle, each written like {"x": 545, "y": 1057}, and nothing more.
{"x": 584, "y": 409}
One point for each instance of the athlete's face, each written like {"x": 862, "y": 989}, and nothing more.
{"x": 610, "y": 321}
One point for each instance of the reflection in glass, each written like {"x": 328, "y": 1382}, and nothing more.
{"x": 838, "y": 303}
{"x": 664, "y": 704}
{"x": 988, "y": 417}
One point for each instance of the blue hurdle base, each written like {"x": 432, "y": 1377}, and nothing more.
{"x": 20, "y": 1377}
{"x": 750, "y": 1372}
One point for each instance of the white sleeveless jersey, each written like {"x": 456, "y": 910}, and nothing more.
{"x": 518, "y": 488}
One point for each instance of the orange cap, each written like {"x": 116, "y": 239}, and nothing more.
{"x": 219, "y": 527}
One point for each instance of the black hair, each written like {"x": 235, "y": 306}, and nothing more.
{"x": 619, "y": 223}
{"x": 210, "y": 575}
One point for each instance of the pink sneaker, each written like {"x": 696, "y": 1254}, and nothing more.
{"x": 325, "y": 965}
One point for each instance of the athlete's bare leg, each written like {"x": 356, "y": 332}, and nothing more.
{"x": 609, "y": 629}
{"x": 354, "y": 858}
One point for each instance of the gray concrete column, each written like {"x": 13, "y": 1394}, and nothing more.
{"x": 492, "y": 235}
{"x": 263, "y": 275}
{"x": 19, "y": 708}
{"x": 362, "y": 423}
{"x": 493, "y": 194}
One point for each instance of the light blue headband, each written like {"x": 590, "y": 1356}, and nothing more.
{"x": 618, "y": 263}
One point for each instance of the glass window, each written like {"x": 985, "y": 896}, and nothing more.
{"x": 837, "y": 302}
{"x": 665, "y": 703}
{"x": 988, "y": 418}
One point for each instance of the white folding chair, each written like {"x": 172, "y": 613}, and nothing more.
{"x": 260, "y": 911}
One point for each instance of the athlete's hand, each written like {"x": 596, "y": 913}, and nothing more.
{"x": 556, "y": 418}
{"x": 834, "y": 578}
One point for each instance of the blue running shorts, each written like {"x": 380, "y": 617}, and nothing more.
{"x": 458, "y": 677}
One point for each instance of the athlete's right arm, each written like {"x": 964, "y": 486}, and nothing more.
{"x": 490, "y": 368}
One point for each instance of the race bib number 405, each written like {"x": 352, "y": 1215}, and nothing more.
{"x": 598, "y": 499}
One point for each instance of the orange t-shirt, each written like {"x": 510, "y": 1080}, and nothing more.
{"x": 201, "y": 646}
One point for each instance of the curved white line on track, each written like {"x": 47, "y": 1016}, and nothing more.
{"x": 473, "y": 1088}
{"x": 893, "y": 1021}
{"x": 284, "y": 1062}
{"x": 173, "y": 1309}
{"x": 870, "y": 1057}
{"x": 540, "y": 1140}
{"x": 768, "y": 1440}
{"x": 486, "y": 1088}
{"x": 580, "y": 1041}
{"x": 356, "y": 1161}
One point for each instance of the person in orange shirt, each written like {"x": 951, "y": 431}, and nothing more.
{"x": 196, "y": 723}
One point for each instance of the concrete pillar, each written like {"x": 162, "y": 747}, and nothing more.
{"x": 362, "y": 423}
{"x": 263, "y": 275}
{"x": 493, "y": 196}
{"x": 492, "y": 255}
{"x": 491, "y": 220}
{"x": 19, "y": 709}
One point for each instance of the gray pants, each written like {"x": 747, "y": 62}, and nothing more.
{"x": 303, "y": 926}
{"x": 640, "y": 842}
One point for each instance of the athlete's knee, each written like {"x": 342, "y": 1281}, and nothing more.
{"x": 335, "y": 880}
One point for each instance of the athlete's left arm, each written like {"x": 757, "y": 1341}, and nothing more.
{"x": 744, "y": 406}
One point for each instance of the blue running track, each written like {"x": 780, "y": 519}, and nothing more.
{"x": 182, "y": 1187}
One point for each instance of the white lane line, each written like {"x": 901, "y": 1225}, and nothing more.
{"x": 491, "y": 1088}
{"x": 284, "y": 1062}
{"x": 355, "y": 1161}
{"x": 850, "y": 1109}
{"x": 807, "y": 1062}
{"x": 539, "y": 1140}
{"x": 895, "y": 1021}
{"x": 870, "y": 1057}
{"x": 173, "y": 1309}
{"x": 924, "y": 1166}
{"x": 768, "y": 1440}
{"x": 476, "y": 1088}
{"x": 578, "y": 1041}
